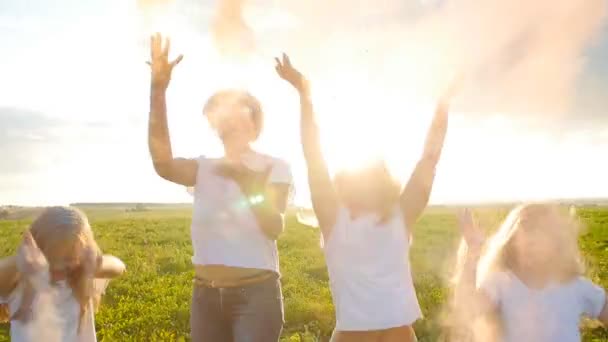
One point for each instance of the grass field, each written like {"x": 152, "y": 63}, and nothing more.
{"x": 151, "y": 302}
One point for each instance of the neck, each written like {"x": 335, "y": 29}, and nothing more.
{"x": 234, "y": 152}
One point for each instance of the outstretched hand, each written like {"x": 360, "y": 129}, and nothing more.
{"x": 470, "y": 230}
{"x": 290, "y": 74}
{"x": 159, "y": 63}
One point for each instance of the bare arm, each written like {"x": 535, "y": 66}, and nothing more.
{"x": 111, "y": 267}
{"x": 469, "y": 301}
{"x": 416, "y": 193}
{"x": 177, "y": 170}
{"x": 604, "y": 315}
{"x": 8, "y": 275}
{"x": 267, "y": 201}
{"x": 323, "y": 195}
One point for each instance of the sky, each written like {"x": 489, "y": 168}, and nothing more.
{"x": 529, "y": 122}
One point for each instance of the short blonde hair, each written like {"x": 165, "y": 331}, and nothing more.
{"x": 245, "y": 98}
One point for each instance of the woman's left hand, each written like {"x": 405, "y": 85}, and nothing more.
{"x": 290, "y": 74}
{"x": 249, "y": 181}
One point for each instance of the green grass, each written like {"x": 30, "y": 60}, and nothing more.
{"x": 151, "y": 302}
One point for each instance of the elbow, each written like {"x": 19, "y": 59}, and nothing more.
{"x": 162, "y": 169}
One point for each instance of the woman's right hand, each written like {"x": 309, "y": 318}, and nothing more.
{"x": 290, "y": 74}
{"x": 469, "y": 229}
{"x": 30, "y": 259}
{"x": 159, "y": 63}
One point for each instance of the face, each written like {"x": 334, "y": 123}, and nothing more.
{"x": 534, "y": 243}
{"x": 63, "y": 256}
{"x": 233, "y": 122}
{"x": 366, "y": 189}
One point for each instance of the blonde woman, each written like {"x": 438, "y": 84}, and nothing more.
{"x": 526, "y": 282}
{"x": 366, "y": 221}
{"x": 54, "y": 283}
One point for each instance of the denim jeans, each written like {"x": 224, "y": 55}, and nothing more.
{"x": 252, "y": 313}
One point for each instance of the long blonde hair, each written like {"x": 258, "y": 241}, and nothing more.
{"x": 61, "y": 228}
{"x": 562, "y": 233}
{"x": 497, "y": 255}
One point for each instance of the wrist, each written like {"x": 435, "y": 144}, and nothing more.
{"x": 158, "y": 88}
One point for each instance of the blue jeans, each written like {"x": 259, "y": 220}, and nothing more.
{"x": 252, "y": 313}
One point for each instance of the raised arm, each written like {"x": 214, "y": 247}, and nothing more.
{"x": 323, "y": 195}
{"x": 110, "y": 267}
{"x": 177, "y": 170}
{"x": 469, "y": 302}
{"x": 8, "y": 275}
{"x": 416, "y": 193}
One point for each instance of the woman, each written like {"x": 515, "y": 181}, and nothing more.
{"x": 366, "y": 222}
{"x": 239, "y": 201}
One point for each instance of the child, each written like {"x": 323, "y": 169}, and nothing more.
{"x": 54, "y": 283}
{"x": 366, "y": 221}
{"x": 528, "y": 279}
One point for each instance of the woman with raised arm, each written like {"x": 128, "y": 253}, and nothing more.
{"x": 239, "y": 201}
{"x": 366, "y": 220}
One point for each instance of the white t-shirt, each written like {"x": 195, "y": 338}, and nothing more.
{"x": 369, "y": 273}
{"x": 551, "y": 314}
{"x": 224, "y": 230}
{"x": 56, "y": 315}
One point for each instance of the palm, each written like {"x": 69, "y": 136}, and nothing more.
{"x": 287, "y": 72}
{"x": 469, "y": 229}
{"x": 30, "y": 259}
{"x": 159, "y": 63}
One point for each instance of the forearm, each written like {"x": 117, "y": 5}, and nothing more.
{"x": 436, "y": 135}
{"x": 466, "y": 295}
{"x": 269, "y": 219}
{"x": 309, "y": 130}
{"x": 111, "y": 267}
{"x": 158, "y": 132}
{"x": 8, "y": 275}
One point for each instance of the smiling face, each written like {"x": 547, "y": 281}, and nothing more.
{"x": 235, "y": 116}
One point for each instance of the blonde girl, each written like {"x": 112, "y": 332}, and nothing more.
{"x": 52, "y": 286}
{"x": 526, "y": 282}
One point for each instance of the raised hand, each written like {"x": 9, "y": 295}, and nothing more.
{"x": 30, "y": 259}
{"x": 290, "y": 74}
{"x": 159, "y": 63}
{"x": 469, "y": 229}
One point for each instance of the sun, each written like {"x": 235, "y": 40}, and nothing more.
{"x": 366, "y": 126}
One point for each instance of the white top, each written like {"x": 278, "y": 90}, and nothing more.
{"x": 369, "y": 273}
{"x": 56, "y": 315}
{"x": 551, "y": 314}
{"x": 224, "y": 230}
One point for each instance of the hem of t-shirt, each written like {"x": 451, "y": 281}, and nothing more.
{"x": 257, "y": 267}
{"x": 380, "y": 326}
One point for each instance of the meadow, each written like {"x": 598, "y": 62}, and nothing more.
{"x": 151, "y": 301}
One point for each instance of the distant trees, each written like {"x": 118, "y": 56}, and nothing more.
{"x": 4, "y": 213}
